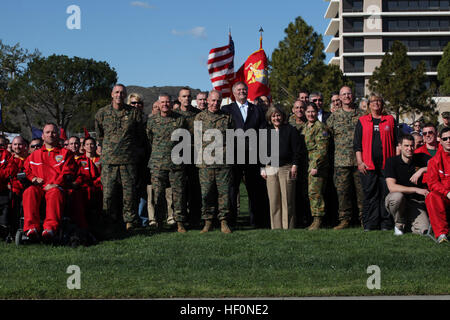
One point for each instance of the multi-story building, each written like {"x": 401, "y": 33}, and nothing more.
{"x": 363, "y": 30}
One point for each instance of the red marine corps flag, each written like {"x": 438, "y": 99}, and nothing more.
{"x": 254, "y": 72}
{"x": 221, "y": 68}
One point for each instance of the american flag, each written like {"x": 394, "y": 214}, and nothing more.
{"x": 221, "y": 68}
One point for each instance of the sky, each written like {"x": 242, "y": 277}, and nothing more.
{"x": 155, "y": 42}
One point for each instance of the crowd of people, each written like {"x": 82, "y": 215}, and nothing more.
{"x": 354, "y": 160}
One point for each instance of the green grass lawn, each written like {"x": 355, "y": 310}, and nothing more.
{"x": 246, "y": 263}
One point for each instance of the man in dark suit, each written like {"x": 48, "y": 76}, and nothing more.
{"x": 317, "y": 98}
{"x": 248, "y": 116}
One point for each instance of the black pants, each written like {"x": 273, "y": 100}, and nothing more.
{"x": 375, "y": 215}
{"x": 258, "y": 200}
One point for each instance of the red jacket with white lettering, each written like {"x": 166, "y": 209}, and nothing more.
{"x": 51, "y": 165}
{"x": 439, "y": 173}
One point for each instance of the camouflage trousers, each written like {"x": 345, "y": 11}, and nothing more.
{"x": 316, "y": 190}
{"x": 215, "y": 184}
{"x": 119, "y": 182}
{"x": 176, "y": 180}
{"x": 348, "y": 187}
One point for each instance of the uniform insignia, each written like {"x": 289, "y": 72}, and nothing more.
{"x": 125, "y": 118}
{"x": 325, "y": 133}
{"x": 59, "y": 158}
{"x": 84, "y": 163}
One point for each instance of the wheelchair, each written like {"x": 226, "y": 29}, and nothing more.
{"x": 67, "y": 234}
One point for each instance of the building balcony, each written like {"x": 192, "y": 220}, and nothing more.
{"x": 333, "y": 46}
{"x": 333, "y": 27}
{"x": 333, "y": 9}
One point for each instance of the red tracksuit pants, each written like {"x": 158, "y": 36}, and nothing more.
{"x": 77, "y": 207}
{"x": 54, "y": 200}
{"x": 437, "y": 211}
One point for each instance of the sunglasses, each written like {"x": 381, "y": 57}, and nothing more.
{"x": 315, "y": 100}
{"x": 425, "y": 133}
{"x": 445, "y": 138}
{"x": 136, "y": 102}
{"x": 36, "y": 145}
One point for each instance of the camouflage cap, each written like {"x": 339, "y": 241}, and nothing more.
{"x": 446, "y": 114}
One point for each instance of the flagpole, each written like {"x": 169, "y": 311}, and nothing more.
{"x": 261, "y": 30}
{"x": 231, "y": 92}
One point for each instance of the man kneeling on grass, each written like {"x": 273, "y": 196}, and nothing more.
{"x": 406, "y": 198}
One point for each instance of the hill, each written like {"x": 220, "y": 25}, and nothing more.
{"x": 151, "y": 94}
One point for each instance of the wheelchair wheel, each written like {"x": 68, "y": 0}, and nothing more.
{"x": 19, "y": 235}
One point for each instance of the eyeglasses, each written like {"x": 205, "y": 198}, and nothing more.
{"x": 315, "y": 100}
{"x": 38, "y": 145}
{"x": 377, "y": 100}
{"x": 425, "y": 133}
{"x": 136, "y": 102}
{"x": 445, "y": 138}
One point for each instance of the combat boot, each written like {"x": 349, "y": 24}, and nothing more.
{"x": 224, "y": 227}
{"x": 181, "y": 228}
{"x": 316, "y": 224}
{"x": 342, "y": 225}
{"x": 207, "y": 227}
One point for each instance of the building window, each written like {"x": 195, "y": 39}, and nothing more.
{"x": 416, "y": 5}
{"x": 431, "y": 62}
{"x": 352, "y": 5}
{"x": 353, "y": 24}
{"x": 354, "y": 64}
{"x": 413, "y": 24}
{"x": 417, "y": 44}
{"x": 359, "y": 86}
{"x": 353, "y": 44}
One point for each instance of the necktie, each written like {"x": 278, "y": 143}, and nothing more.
{"x": 244, "y": 113}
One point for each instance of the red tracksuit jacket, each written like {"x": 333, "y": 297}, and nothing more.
{"x": 8, "y": 168}
{"x": 438, "y": 173}
{"x": 51, "y": 165}
{"x": 89, "y": 171}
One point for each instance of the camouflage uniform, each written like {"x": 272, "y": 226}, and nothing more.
{"x": 346, "y": 175}
{"x": 192, "y": 190}
{"x": 163, "y": 171}
{"x": 316, "y": 140}
{"x": 293, "y": 122}
{"x": 214, "y": 175}
{"x": 121, "y": 133}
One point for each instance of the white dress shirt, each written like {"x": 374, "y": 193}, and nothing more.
{"x": 243, "y": 108}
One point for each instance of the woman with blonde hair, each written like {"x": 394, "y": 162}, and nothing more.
{"x": 136, "y": 100}
{"x": 281, "y": 175}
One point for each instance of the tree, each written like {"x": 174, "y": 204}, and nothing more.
{"x": 443, "y": 70}
{"x": 13, "y": 62}
{"x": 59, "y": 88}
{"x": 298, "y": 63}
{"x": 402, "y": 86}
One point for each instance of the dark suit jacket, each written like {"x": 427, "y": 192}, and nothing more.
{"x": 325, "y": 115}
{"x": 255, "y": 119}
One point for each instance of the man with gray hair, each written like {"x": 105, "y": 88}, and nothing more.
{"x": 120, "y": 130}
{"x": 247, "y": 116}
{"x": 317, "y": 98}
{"x": 164, "y": 172}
